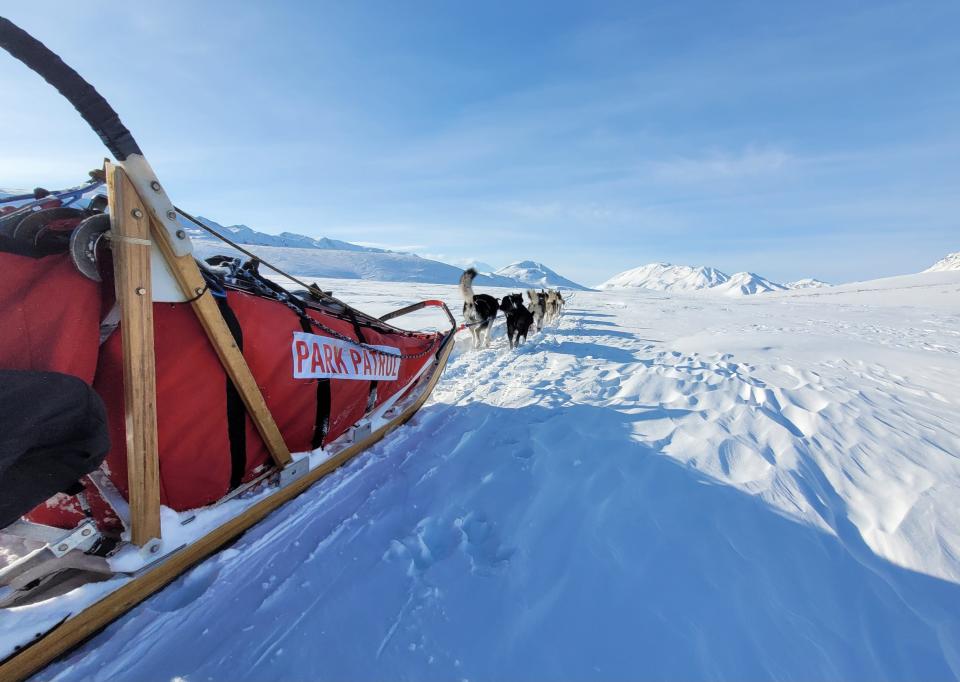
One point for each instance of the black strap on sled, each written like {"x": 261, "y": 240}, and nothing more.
{"x": 358, "y": 330}
{"x": 86, "y": 100}
{"x": 321, "y": 424}
{"x": 236, "y": 410}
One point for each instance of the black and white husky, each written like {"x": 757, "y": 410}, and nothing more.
{"x": 519, "y": 319}
{"x": 479, "y": 310}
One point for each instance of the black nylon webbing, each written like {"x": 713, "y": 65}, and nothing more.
{"x": 321, "y": 422}
{"x": 236, "y": 410}
{"x": 372, "y": 395}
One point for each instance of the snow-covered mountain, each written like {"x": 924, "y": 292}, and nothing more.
{"x": 247, "y": 235}
{"x": 477, "y": 265}
{"x": 537, "y": 275}
{"x": 746, "y": 283}
{"x": 807, "y": 283}
{"x": 666, "y": 277}
{"x": 687, "y": 278}
{"x": 949, "y": 262}
{"x": 308, "y": 257}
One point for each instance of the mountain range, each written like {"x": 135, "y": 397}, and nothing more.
{"x": 685, "y": 278}
{"x": 310, "y": 257}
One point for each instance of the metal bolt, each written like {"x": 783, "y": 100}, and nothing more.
{"x": 181, "y": 234}
{"x": 85, "y": 532}
{"x": 155, "y": 549}
{"x": 155, "y": 186}
{"x": 141, "y": 291}
{"x": 198, "y": 291}
{"x": 136, "y": 213}
{"x": 172, "y": 215}
{"x": 63, "y": 548}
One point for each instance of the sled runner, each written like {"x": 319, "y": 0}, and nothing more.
{"x": 225, "y": 395}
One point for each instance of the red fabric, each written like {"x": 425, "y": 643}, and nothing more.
{"x": 50, "y": 316}
{"x": 50, "y": 321}
{"x": 408, "y": 345}
{"x": 348, "y": 399}
{"x": 192, "y": 435}
{"x": 64, "y": 511}
{"x": 268, "y": 329}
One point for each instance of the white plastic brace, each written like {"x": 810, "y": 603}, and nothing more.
{"x": 164, "y": 286}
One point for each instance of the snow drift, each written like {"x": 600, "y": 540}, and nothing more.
{"x": 656, "y": 487}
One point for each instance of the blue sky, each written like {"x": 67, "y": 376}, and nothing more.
{"x": 789, "y": 139}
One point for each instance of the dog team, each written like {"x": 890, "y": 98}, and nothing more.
{"x": 480, "y": 311}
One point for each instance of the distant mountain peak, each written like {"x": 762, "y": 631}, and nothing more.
{"x": 807, "y": 283}
{"x": 688, "y": 278}
{"x": 537, "y": 275}
{"x": 747, "y": 283}
{"x": 949, "y": 262}
{"x": 667, "y": 277}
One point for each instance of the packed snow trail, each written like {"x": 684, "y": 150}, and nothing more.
{"x": 657, "y": 487}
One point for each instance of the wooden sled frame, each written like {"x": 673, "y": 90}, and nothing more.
{"x": 132, "y": 233}
{"x": 143, "y": 223}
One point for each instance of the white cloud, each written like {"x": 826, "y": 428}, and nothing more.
{"x": 723, "y": 166}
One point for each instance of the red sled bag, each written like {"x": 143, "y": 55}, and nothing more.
{"x": 207, "y": 443}
{"x": 50, "y": 314}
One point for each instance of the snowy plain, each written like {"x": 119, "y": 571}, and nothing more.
{"x": 659, "y": 486}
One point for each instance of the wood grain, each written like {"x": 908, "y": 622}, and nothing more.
{"x": 130, "y": 233}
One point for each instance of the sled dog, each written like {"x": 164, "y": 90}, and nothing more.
{"x": 479, "y": 310}
{"x": 519, "y": 319}
{"x": 553, "y": 304}
{"x": 537, "y": 306}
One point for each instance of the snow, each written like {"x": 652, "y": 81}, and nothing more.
{"x": 746, "y": 283}
{"x": 806, "y": 283}
{"x": 686, "y": 278}
{"x": 666, "y": 277}
{"x": 378, "y": 265}
{"x": 662, "y": 486}
{"x": 332, "y": 258}
{"x": 950, "y": 262}
{"x": 537, "y": 275}
{"x": 247, "y": 235}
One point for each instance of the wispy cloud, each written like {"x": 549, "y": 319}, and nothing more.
{"x": 749, "y": 163}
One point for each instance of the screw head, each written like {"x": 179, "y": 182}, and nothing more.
{"x": 181, "y": 234}
{"x": 136, "y": 213}
{"x": 198, "y": 291}
{"x": 141, "y": 291}
{"x": 155, "y": 549}
{"x": 63, "y": 548}
{"x": 85, "y": 532}
{"x": 155, "y": 186}
{"x": 172, "y": 215}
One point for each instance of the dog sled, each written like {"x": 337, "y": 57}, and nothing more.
{"x": 224, "y": 394}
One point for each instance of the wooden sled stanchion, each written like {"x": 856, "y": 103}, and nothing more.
{"x": 130, "y": 241}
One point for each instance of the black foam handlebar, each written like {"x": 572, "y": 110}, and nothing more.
{"x": 94, "y": 109}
